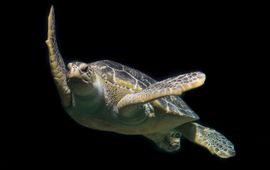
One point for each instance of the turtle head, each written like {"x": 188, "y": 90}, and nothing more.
{"x": 80, "y": 77}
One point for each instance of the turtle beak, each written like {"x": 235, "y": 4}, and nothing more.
{"x": 75, "y": 75}
{"x": 73, "y": 71}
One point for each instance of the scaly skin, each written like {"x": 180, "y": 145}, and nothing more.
{"x": 109, "y": 96}
{"x": 56, "y": 62}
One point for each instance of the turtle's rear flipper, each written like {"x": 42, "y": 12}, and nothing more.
{"x": 168, "y": 142}
{"x": 209, "y": 138}
{"x": 171, "y": 86}
{"x": 56, "y": 62}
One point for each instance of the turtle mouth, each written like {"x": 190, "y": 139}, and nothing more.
{"x": 76, "y": 77}
{"x": 77, "y": 80}
{"x": 84, "y": 80}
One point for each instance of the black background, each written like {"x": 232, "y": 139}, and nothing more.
{"x": 161, "y": 40}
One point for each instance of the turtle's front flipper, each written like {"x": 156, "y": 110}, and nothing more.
{"x": 171, "y": 86}
{"x": 209, "y": 138}
{"x": 56, "y": 62}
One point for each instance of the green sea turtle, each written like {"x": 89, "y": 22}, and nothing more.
{"x": 109, "y": 96}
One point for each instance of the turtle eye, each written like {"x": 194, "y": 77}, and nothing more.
{"x": 84, "y": 69}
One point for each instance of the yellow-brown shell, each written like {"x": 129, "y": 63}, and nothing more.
{"x": 132, "y": 80}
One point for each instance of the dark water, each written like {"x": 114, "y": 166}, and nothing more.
{"x": 161, "y": 42}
